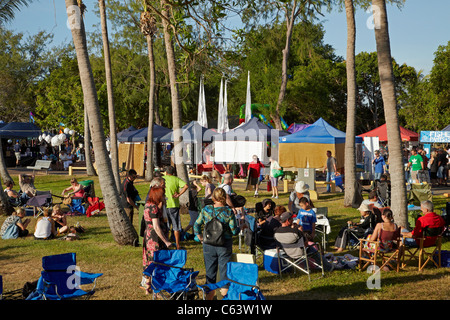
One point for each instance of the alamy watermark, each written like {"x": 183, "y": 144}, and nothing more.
{"x": 374, "y": 21}
{"x": 74, "y": 17}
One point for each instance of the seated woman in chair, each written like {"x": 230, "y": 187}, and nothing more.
{"x": 386, "y": 232}
{"x": 364, "y": 227}
{"x": 13, "y": 196}
{"x": 77, "y": 189}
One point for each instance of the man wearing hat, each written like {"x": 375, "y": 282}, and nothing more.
{"x": 288, "y": 236}
{"x": 301, "y": 189}
{"x": 363, "y": 228}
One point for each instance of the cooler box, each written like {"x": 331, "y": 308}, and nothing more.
{"x": 271, "y": 261}
{"x": 29, "y": 211}
{"x": 89, "y": 183}
{"x": 445, "y": 258}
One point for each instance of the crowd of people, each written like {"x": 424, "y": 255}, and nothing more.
{"x": 61, "y": 157}
{"x": 419, "y": 165}
{"x": 275, "y": 224}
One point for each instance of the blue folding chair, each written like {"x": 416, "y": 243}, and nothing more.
{"x": 61, "y": 279}
{"x": 169, "y": 278}
{"x": 242, "y": 279}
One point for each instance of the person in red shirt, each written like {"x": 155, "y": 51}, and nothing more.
{"x": 254, "y": 169}
{"x": 429, "y": 219}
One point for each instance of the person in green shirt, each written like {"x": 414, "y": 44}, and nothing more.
{"x": 415, "y": 163}
{"x": 175, "y": 187}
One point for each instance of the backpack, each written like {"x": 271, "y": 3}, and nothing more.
{"x": 213, "y": 232}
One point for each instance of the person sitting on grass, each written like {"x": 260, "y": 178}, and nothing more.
{"x": 13, "y": 227}
{"x": 45, "y": 227}
{"x": 60, "y": 219}
{"x": 77, "y": 190}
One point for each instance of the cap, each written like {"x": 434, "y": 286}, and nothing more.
{"x": 364, "y": 207}
{"x": 285, "y": 216}
{"x": 301, "y": 187}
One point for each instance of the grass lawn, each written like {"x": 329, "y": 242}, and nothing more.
{"x": 20, "y": 260}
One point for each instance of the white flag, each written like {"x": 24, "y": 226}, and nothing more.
{"x": 248, "y": 101}
{"x": 201, "y": 115}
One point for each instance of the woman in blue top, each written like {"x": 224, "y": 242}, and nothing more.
{"x": 217, "y": 257}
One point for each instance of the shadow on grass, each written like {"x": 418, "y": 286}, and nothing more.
{"x": 315, "y": 291}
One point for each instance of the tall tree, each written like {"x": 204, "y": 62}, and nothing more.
{"x": 121, "y": 227}
{"x": 176, "y": 108}
{"x": 114, "y": 153}
{"x": 396, "y": 169}
{"x": 148, "y": 28}
{"x": 350, "y": 152}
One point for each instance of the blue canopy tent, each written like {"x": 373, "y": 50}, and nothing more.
{"x": 307, "y": 148}
{"x": 19, "y": 130}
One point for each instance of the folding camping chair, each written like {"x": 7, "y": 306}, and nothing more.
{"x": 383, "y": 189}
{"x": 306, "y": 256}
{"x": 419, "y": 192}
{"x": 41, "y": 201}
{"x": 169, "y": 278}
{"x": 421, "y": 254}
{"x": 242, "y": 279}
{"x": 370, "y": 251}
{"x": 61, "y": 279}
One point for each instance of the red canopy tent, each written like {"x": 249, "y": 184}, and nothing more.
{"x": 381, "y": 133}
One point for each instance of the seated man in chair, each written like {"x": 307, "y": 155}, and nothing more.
{"x": 26, "y": 183}
{"x": 288, "y": 235}
{"x": 429, "y": 219}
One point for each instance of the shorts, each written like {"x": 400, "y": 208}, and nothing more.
{"x": 274, "y": 181}
{"x": 173, "y": 214}
{"x": 440, "y": 172}
{"x": 414, "y": 175}
{"x": 17, "y": 154}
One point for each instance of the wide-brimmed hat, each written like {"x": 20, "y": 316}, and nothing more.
{"x": 301, "y": 187}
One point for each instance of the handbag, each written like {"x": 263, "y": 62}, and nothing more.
{"x": 213, "y": 232}
{"x": 277, "y": 173}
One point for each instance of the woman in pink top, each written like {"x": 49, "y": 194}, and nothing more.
{"x": 386, "y": 232}
{"x": 77, "y": 189}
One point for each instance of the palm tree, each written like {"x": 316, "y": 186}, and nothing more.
{"x": 176, "y": 108}
{"x": 121, "y": 227}
{"x": 109, "y": 86}
{"x": 350, "y": 162}
{"x": 148, "y": 28}
{"x": 8, "y": 9}
{"x": 385, "y": 69}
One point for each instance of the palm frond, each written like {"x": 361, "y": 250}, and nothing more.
{"x": 8, "y": 8}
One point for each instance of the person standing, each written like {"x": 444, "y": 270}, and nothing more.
{"x": 331, "y": 169}
{"x": 156, "y": 235}
{"x": 129, "y": 194}
{"x": 254, "y": 170}
{"x": 175, "y": 187}
{"x": 274, "y": 166}
{"x": 379, "y": 165}
{"x": 415, "y": 163}
{"x": 17, "y": 149}
{"x": 217, "y": 257}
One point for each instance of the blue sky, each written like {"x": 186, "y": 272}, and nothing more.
{"x": 416, "y": 30}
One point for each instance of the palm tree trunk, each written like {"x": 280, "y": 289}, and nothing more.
{"x": 350, "y": 154}
{"x": 3, "y": 169}
{"x": 121, "y": 227}
{"x": 109, "y": 86}
{"x": 151, "y": 109}
{"x": 90, "y": 170}
{"x": 385, "y": 69}
{"x": 176, "y": 108}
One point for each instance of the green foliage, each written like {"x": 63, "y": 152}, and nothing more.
{"x": 23, "y": 63}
